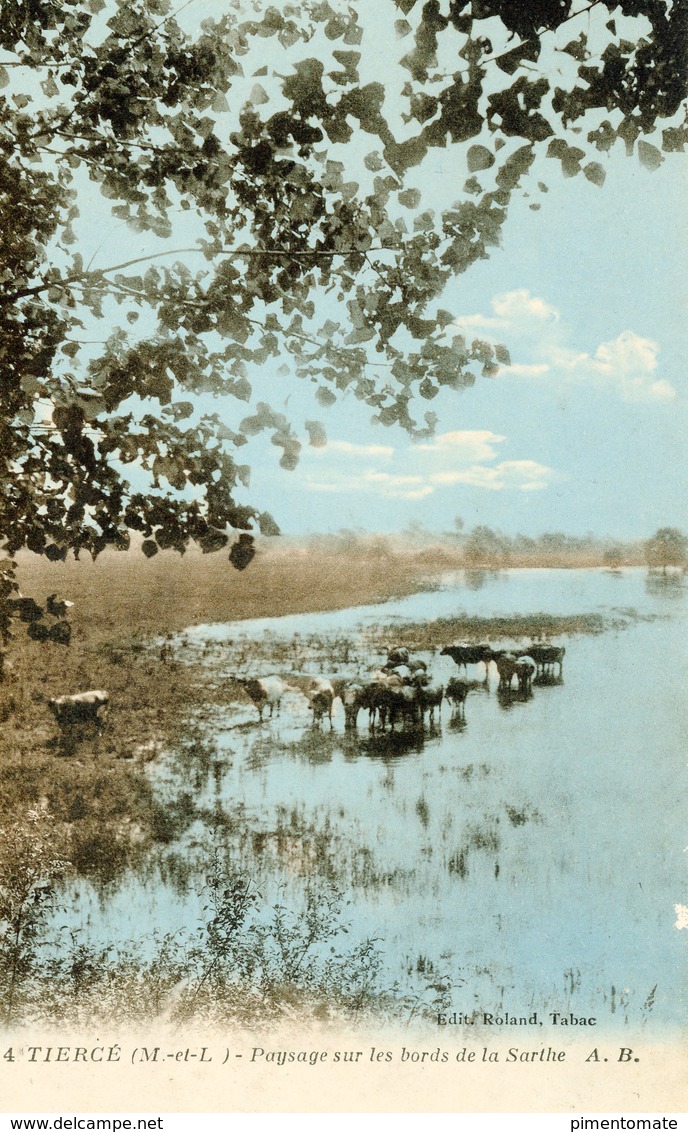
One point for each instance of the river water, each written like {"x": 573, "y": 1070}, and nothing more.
{"x": 532, "y": 855}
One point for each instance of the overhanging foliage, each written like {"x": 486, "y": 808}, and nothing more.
{"x": 312, "y": 252}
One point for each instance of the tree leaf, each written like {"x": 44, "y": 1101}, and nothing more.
{"x": 242, "y": 553}
{"x": 479, "y": 157}
{"x": 267, "y": 525}
{"x": 325, "y": 396}
{"x": 510, "y": 61}
{"x": 595, "y": 173}
{"x": 649, "y": 155}
{"x": 213, "y": 541}
{"x": 317, "y": 437}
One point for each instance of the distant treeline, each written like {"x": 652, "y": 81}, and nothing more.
{"x": 483, "y": 547}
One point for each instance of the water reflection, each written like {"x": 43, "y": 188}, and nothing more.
{"x": 670, "y": 585}
{"x": 482, "y": 845}
{"x": 457, "y": 723}
{"x": 475, "y": 579}
{"x": 508, "y": 696}
{"x": 406, "y": 741}
{"x": 548, "y": 680}
{"x": 315, "y": 746}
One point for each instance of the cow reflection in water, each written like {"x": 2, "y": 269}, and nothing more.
{"x": 386, "y": 744}
{"x": 317, "y": 746}
{"x": 508, "y": 697}
{"x": 313, "y": 745}
{"x": 666, "y": 585}
{"x": 548, "y": 680}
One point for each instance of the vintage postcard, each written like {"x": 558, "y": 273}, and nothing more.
{"x": 343, "y": 572}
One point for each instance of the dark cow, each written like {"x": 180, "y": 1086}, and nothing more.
{"x": 507, "y": 669}
{"x": 340, "y": 684}
{"x": 320, "y": 699}
{"x": 525, "y": 670}
{"x": 522, "y": 667}
{"x": 430, "y": 696}
{"x": 456, "y": 692}
{"x": 399, "y": 703}
{"x": 83, "y": 707}
{"x": 367, "y": 697}
{"x": 463, "y": 655}
{"x": 387, "y": 697}
{"x": 401, "y": 671}
{"x": 545, "y": 657}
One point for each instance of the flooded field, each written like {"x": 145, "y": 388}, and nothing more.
{"x": 525, "y": 858}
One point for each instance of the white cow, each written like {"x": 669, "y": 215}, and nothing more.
{"x": 82, "y": 707}
{"x": 264, "y": 691}
{"x": 320, "y": 698}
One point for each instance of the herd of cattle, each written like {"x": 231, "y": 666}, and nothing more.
{"x": 402, "y": 690}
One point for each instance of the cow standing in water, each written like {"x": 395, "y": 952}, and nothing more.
{"x": 545, "y": 657}
{"x": 320, "y": 698}
{"x": 263, "y": 691}
{"x": 456, "y": 693}
{"x": 463, "y": 655}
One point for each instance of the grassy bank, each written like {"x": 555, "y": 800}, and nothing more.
{"x": 100, "y": 800}
{"x": 105, "y": 815}
{"x": 127, "y": 594}
{"x": 91, "y": 810}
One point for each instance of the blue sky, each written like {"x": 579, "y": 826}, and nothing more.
{"x": 585, "y": 431}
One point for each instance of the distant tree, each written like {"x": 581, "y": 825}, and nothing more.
{"x": 485, "y": 547}
{"x": 613, "y": 556}
{"x": 667, "y": 547}
{"x": 456, "y": 532}
{"x": 416, "y": 533}
{"x": 524, "y": 547}
{"x": 312, "y": 254}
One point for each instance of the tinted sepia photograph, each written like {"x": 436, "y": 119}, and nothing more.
{"x": 343, "y": 548}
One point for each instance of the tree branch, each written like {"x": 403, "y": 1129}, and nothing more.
{"x": 79, "y": 277}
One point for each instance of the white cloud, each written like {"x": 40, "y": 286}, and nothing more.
{"x": 419, "y": 470}
{"x": 629, "y": 362}
{"x": 515, "y": 312}
{"x": 627, "y": 365}
{"x": 515, "y": 306}
{"x": 524, "y": 475}
{"x": 398, "y": 487}
{"x": 477, "y": 444}
{"x": 373, "y": 482}
{"x": 538, "y": 369}
{"x": 384, "y": 451}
